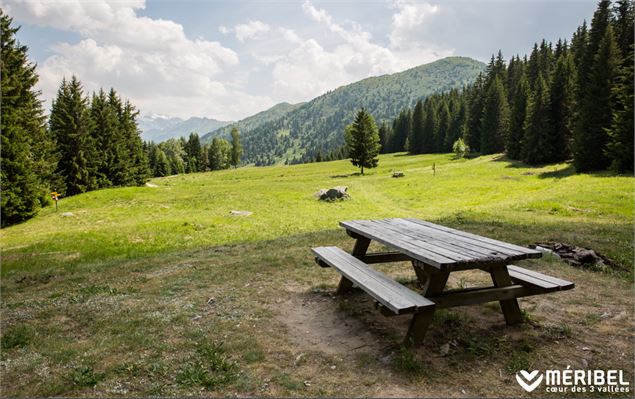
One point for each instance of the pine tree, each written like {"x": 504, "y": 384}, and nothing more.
{"x": 26, "y": 156}
{"x": 220, "y": 154}
{"x": 107, "y": 136}
{"x": 193, "y": 151}
{"x": 162, "y": 164}
{"x": 416, "y": 140}
{"x": 496, "y": 118}
{"x": 514, "y": 140}
{"x": 596, "y": 108}
{"x": 236, "y": 148}
{"x": 385, "y": 134}
{"x": 561, "y": 107}
{"x": 71, "y": 125}
{"x": 442, "y": 127}
{"x": 137, "y": 159}
{"x": 476, "y": 96}
{"x": 620, "y": 145}
{"x": 362, "y": 140}
{"x": 430, "y": 123}
{"x": 534, "y": 144}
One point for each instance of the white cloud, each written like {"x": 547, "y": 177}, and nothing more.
{"x": 409, "y": 17}
{"x": 150, "y": 61}
{"x": 310, "y": 69}
{"x": 250, "y": 31}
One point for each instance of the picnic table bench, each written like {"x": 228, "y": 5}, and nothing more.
{"x": 434, "y": 251}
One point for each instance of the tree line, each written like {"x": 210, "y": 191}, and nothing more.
{"x": 86, "y": 143}
{"x": 181, "y": 155}
{"x": 573, "y": 100}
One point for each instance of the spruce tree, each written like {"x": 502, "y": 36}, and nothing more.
{"x": 137, "y": 160}
{"x": 71, "y": 125}
{"x": 442, "y": 127}
{"x": 496, "y": 118}
{"x": 362, "y": 141}
{"x": 596, "y": 108}
{"x": 193, "y": 150}
{"x": 416, "y": 139}
{"x": 620, "y": 145}
{"x": 514, "y": 140}
{"x": 561, "y": 108}
{"x": 430, "y": 123}
{"x": 26, "y": 157}
{"x": 385, "y": 134}
{"x": 476, "y": 97}
{"x": 107, "y": 137}
{"x": 535, "y": 142}
{"x": 236, "y": 148}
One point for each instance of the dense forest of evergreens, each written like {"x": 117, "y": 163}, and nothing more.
{"x": 573, "y": 100}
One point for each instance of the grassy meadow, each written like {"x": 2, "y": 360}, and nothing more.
{"x": 158, "y": 290}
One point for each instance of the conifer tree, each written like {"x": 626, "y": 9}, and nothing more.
{"x": 430, "y": 123}
{"x": 71, "y": 125}
{"x": 26, "y": 150}
{"x": 385, "y": 134}
{"x": 417, "y": 134}
{"x": 596, "y": 107}
{"x": 496, "y": 118}
{"x": 561, "y": 108}
{"x": 534, "y": 145}
{"x": 475, "y": 111}
{"x": 443, "y": 125}
{"x": 514, "y": 140}
{"x": 362, "y": 141}
{"x": 236, "y": 148}
{"x": 137, "y": 159}
{"x": 107, "y": 137}
{"x": 193, "y": 151}
{"x": 620, "y": 145}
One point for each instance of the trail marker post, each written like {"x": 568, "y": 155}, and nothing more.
{"x": 56, "y": 197}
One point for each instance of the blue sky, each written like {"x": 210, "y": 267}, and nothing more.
{"x": 230, "y": 59}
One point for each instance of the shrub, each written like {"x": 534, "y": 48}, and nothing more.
{"x": 460, "y": 149}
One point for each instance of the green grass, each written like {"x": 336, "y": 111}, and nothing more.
{"x": 192, "y": 211}
{"x": 159, "y": 291}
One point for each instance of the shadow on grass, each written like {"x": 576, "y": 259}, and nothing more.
{"x": 347, "y": 175}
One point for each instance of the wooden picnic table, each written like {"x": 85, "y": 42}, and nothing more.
{"x": 435, "y": 251}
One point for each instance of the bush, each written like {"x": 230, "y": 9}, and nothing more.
{"x": 460, "y": 149}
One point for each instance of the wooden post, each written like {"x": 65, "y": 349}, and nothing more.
{"x": 359, "y": 250}
{"x": 418, "y": 327}
{"x": 510, "y": 308}
{"x": 434, "y": 169}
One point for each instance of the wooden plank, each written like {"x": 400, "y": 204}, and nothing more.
{"x": 482, "y": 295}
{"x": 501, "y": 244}
{"x": 419, "y": 241}
{"x": 451, "y": 243}
{"x": 533, "y": 278}
{"x": 360, "y": 248}
{"x": 388, "y": 292}
{"x": 398, "y": 244}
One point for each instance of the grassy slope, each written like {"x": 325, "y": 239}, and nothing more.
{"x": 192, "y": 211}
{"x": 113, "y": 300}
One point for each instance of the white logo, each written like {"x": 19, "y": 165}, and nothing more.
{"x": 525, "y": 379}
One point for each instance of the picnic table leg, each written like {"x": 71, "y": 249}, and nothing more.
{"x": 360, "y": 248}
{"x": 510, "y": 308}
{"x": 433, "y": 283}
{"x": 418, "y": 327}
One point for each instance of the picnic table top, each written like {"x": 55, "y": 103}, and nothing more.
{"x": 439, "y": 246}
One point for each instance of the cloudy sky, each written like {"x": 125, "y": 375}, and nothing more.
{"x": 230, "y": 59}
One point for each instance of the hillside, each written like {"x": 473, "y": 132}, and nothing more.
{"x": 159, "y": 128}
{"x": 252, "y": 122}
{"x": 319, "y": 123}
{"x": 158, "y": 291}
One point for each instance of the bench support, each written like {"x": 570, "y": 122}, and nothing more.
{"x": 359, "y": 250}
{"x": 510, "y": 308}
{"x": 418, "y": 327}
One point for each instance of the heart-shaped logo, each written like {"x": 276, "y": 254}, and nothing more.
{"x": 529, "y": 381}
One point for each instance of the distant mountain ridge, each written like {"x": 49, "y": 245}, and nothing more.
{"x": 159, "y": 128}
{"x": 287, "y": 132}
{"x": 251, "y": 122}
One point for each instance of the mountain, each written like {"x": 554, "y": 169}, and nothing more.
{"x": 318, "y": 125}
{"x": 159, "y": 128}
{"x": 252, "y": 122}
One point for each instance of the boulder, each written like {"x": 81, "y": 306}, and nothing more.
{"x": 332, "y": 194}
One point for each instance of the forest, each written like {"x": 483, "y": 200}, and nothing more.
{"x": 571, "y": 101}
